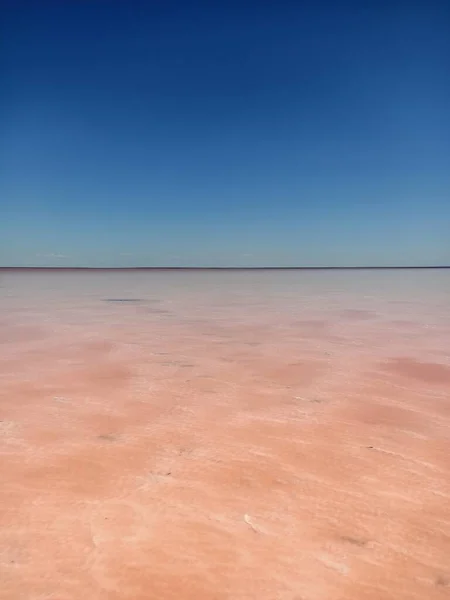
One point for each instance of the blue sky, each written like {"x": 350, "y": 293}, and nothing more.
{"x": 224, "y": 133}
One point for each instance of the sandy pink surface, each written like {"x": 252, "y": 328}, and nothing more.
{"x": 279, "y": 435}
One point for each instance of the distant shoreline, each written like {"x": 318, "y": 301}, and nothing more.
{"x": 217, "y": 268}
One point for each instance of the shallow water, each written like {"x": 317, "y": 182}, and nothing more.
{"x": 225, "y": 435}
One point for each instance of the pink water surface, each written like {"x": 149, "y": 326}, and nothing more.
{"x": 225, "y": 435}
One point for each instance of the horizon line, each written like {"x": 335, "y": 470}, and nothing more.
{"x": 329, "y": 268}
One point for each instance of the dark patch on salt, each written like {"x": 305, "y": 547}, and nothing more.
{"x": 122, "y": 300}
{"x": 108, "y": 437}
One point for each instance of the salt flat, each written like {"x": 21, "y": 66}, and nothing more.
{"x": 225, "y": 435}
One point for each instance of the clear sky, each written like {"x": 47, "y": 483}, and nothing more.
{"x": 146, "y": 133}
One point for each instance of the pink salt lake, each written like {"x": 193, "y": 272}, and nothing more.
{"x": 266, "y": 435}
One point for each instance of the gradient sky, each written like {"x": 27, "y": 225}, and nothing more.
{"x": 224, "y": 133}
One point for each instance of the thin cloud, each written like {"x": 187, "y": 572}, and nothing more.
{"x": 52, "y": 256}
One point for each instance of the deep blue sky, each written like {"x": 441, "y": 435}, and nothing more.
{"x": 224, "y": 133}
